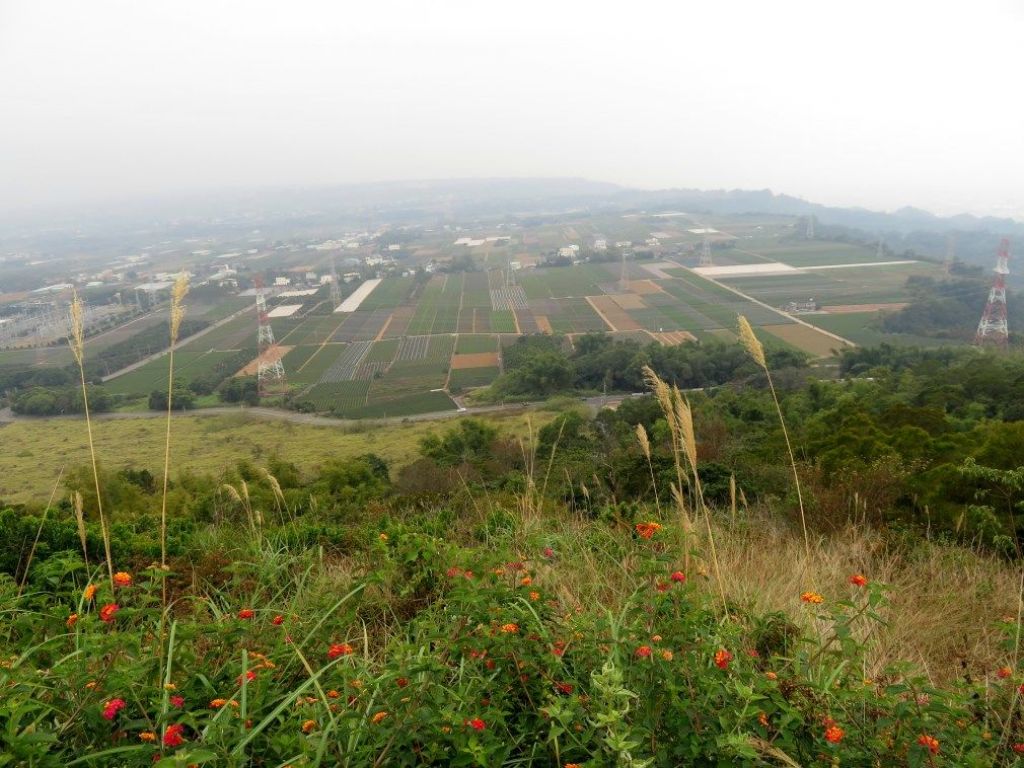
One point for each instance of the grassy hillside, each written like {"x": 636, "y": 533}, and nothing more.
{"x": 664, "y": 584}
{"x": 32, "y": 453}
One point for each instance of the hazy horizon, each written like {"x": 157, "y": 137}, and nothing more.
{"x": 882, "y": 108}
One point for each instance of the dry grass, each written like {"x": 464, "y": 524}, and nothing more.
{"x": 945, "y": 601}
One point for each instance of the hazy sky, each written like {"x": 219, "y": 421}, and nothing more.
{"x": 878, "y": 103}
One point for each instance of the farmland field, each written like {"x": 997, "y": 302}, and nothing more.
{"x": 559, "y": 282}
{"x": 468, "y": 344}
{"x": 458, "y": 290}
{"x": 811, "y": 254}
{"x": 860, "y": 328}
{"x": 465, "y": 378}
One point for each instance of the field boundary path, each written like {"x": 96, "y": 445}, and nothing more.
{"x": 187, "y": 339}
{"x": 760, "y": 303}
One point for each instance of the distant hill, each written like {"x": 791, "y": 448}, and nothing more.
{"x": 428, "y": 201}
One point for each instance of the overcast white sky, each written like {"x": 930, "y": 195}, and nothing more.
{"x": 878, "y": 103}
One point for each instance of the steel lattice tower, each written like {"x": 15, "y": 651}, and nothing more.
{"x": 992, "y": 328}
{"x": 335, "y": 287}
{"x": 268, "y": 366}
{"x": 705, "y": 251}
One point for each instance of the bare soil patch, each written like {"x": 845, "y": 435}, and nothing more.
{"x": 270, "y": 356}
{"x": 843, "y": 309}
{"x": 475, "y": 360}
{"x": 808, "y": 339}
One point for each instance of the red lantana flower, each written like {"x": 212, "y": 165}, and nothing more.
{"x": 858, "y": 580}
{"x": 722, "y": 658}
{"x": 678, "y": 577}
{"x": 108, "y": 611}
{"x": 339, "y": 649}
{"x": 1004, "y": 672}
{"x": 173, "y": 735}
{"x": 277, "y": 621}
{"x": 112, "y": 708}
{"x": 476, "y": 724}
{"x": 246, "y": 613}
{"x": 177, "y": 701}
{"x": 643, "y": 651}
{"x": 929, "y": 742}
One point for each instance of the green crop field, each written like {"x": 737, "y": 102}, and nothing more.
{"x": 391, "y": 292}
{"x": 153, "y": 375}
{"x": 810, "y": 254}
{"x": 316, "y": 364}
{"x": 861, "y": 328}
{"x": 437, "y": 310}
{"x": 473, "y": 344}
{"x": 340, "y": 396}
{"x": 716, "y": 303}
{"x": 409, "y": 405}
{"x": 576, "y": 316}
{"x": 558, "y": 282}
{"x": 853, "y": 285}
{"x": 315, "y": 329}
{"x": 382, "y": 351}
{"x": 465, "y": 378}
{"x": 503, "y": 321}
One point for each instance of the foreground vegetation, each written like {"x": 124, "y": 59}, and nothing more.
{"x": 467, "y": 637}
{"x": 784, "y": 572}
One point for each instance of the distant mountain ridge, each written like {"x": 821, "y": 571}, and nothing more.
{"x": 367, "y": 205}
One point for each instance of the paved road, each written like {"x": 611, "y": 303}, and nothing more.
{"x": 276, "y": 414}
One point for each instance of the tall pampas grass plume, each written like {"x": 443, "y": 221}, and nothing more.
{"x": 756, "y": 351}
{"x": 178, "y": 294}
{"x": 76, "y": 341}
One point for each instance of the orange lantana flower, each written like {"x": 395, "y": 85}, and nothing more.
{"x": 122, "y": 579}
{"x": 647, "y": 530}
{"x": 812, "y": 597}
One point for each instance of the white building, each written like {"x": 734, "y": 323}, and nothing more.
{"x": 282, "y": 281}
{"x": 601, "y": 245}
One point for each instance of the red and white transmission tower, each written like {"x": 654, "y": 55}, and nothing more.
{"x": 268, "y": 366}
{"x": 992, "y": 329}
